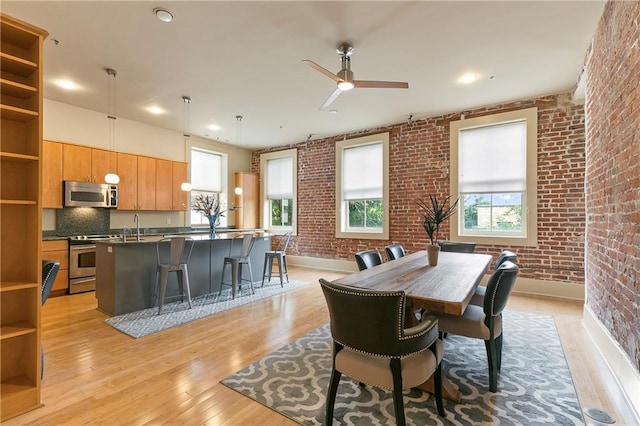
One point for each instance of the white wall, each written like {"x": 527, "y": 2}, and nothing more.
{"x": 67, "y": 123}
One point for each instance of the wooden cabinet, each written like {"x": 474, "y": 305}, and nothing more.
{"x": 247, "y": 203}
{"x": 21, "y": 224}
{"x": 86, "y": 164}
{"x": 52, "y": 188}
{"x": 58, "y": 250}
{"x": 127, "y": 166}
{"x": 164, "y": 185}
{"x": 180, "y": 197}
{"x": 146, "y": 183}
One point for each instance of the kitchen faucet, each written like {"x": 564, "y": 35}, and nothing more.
{"x": 136, "y": 219}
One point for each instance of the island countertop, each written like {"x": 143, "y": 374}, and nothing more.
{"x": 126, "y": 271}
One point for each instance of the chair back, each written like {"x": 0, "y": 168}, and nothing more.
{"x": 179, "y": 250}
{"x": 284, "y": 242}
{"x": 367, "y": 259}
{"x": 371, "y": 321}
{"x": 454, "y": 246}
{"x": 50, "y": 270}
{"x": 504, "y": 256}
{"x": 394, "y": 251}
{"x": 247, "y": 245}
{"x": 499, "y": 288}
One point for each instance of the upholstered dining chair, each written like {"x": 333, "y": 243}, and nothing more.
{"x": 173, "y": 254}
{"x": 50, "y": 270}
{"x": 457, "y": 247}
{"x": 368, "y": 259}
{"x": 485, "y": 322}
{"x": 280, "y": 254}
{"x": 394, "y": 251}
{"x": 376, "y": 349}
{"x": 478, "y": 297}
{"x": 237, "y": 263}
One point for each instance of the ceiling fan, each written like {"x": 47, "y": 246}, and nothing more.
{"x": 344, "y": 77}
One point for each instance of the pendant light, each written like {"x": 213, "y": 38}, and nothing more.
{"x": 186, "y": 186}
{"x": 112, "y": 177}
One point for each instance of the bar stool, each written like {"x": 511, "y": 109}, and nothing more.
{"x": 236, "y": 263}
{"x": 173, "y": 260}
{"x": 281, "y": 256}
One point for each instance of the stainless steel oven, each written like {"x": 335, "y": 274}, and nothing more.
{"x": 82, "y": 267}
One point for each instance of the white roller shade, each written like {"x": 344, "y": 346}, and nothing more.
{"x": 206, "y": 171}
{"x": 362, "y": 172}
{"x": 493, "y": 158}
{"x": 280, "y": 178}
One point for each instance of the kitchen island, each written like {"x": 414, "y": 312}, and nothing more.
{"x": 126, "y": 271}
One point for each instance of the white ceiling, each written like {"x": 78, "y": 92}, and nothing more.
{"x": 244, "y": 58}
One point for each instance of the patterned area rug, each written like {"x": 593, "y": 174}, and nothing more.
{"x": 147, "y": 321}
{"x": 534, "y": 387}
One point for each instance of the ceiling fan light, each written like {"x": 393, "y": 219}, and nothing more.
{"x": 345, "y": 85}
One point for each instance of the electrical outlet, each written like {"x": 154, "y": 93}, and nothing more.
{"x": 168, "y": 221}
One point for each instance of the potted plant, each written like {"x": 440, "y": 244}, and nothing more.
{"x": 209, "y": 207}
{"x": 434, "y": 212}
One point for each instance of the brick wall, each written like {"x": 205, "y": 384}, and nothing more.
{"x": 419, "y": 165}
{"x": 612, "y": 183}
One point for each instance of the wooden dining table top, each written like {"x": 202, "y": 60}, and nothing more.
{"x": 445, "y": 288}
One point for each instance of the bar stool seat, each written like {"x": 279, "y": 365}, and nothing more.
{"x": 179, "y": 252}
{"x": 281, "y": 256}
{"x": 236, "y": 263}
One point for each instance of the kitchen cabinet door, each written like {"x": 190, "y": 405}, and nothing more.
{"x": 52, "y": 190}
{"x": 164, "y": 184}
{"x": 77, "y": 163}
{"x": 102, "y": 162}
{"x": 180, "y": 197}
{"x": 146, "y": 183}
{"x": 247, "y": 215}
{"x": 58, "y": 250}
{"x": 127, "y": 166}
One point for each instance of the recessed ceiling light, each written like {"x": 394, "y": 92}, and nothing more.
{"x": 153, "y": 109}
{"x": 333, "y": 111}
{"x": 214, "y": 127}
{"x": 66, "y": 84}
{"x": 163, "y": 14}
{"x": 468, "y": 78}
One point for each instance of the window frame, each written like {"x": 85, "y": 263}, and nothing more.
{"x": 530, "y": 213}
{"x": 266, "y": 202}
{"x": 341, "y": 205}
{"x": 223, "y": 195}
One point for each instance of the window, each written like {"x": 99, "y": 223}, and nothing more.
{"x": 362, "y": 187}
{"x": 208, "y": 171}
{"x": 279, "y": 176}
{"x": 493, "y": 173}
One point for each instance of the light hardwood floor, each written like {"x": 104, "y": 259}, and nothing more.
{"x": 95, "y": 374}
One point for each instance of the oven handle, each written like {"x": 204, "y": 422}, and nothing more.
{"x": 83, "y": 248}
{"x": 82, "y": 280}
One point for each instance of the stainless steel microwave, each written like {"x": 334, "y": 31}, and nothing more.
{"x": 89, "y": 194}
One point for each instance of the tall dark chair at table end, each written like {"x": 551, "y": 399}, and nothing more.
{"x": 394, "y": 251}
{"x": 478, "y": 297}
{"x": 376, "y": 349}
{"x": 457, "y": 247}
{"x": 50, "y": 270}
{"x": 485, "y": 322}
{"x": 368, "y": 259}
{"x": 279, "y": 254}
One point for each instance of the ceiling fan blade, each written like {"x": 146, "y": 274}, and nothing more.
{"x": 324, "y": 71}
{"x": 381, "y": 84}
{"x": 331, "y": 98}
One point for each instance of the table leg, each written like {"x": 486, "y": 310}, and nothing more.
{"x": 449, "y": 390}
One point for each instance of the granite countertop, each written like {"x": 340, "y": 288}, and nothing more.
{"x": 154, "y": 234}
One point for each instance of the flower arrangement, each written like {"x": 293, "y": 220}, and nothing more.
{"x": 210, "y": 207}
{"x": 434, "y": 213}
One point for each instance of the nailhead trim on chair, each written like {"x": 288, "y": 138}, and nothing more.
{"x": 401, "y": 336}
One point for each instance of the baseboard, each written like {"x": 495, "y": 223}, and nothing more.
{"x": 523, "y": 285}
{"x": 624, "y": 372}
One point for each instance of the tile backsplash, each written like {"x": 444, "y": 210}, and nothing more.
{"x": 82, "y": 221}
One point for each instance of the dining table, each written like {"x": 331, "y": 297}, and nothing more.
{"x": 444, "y": 288}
